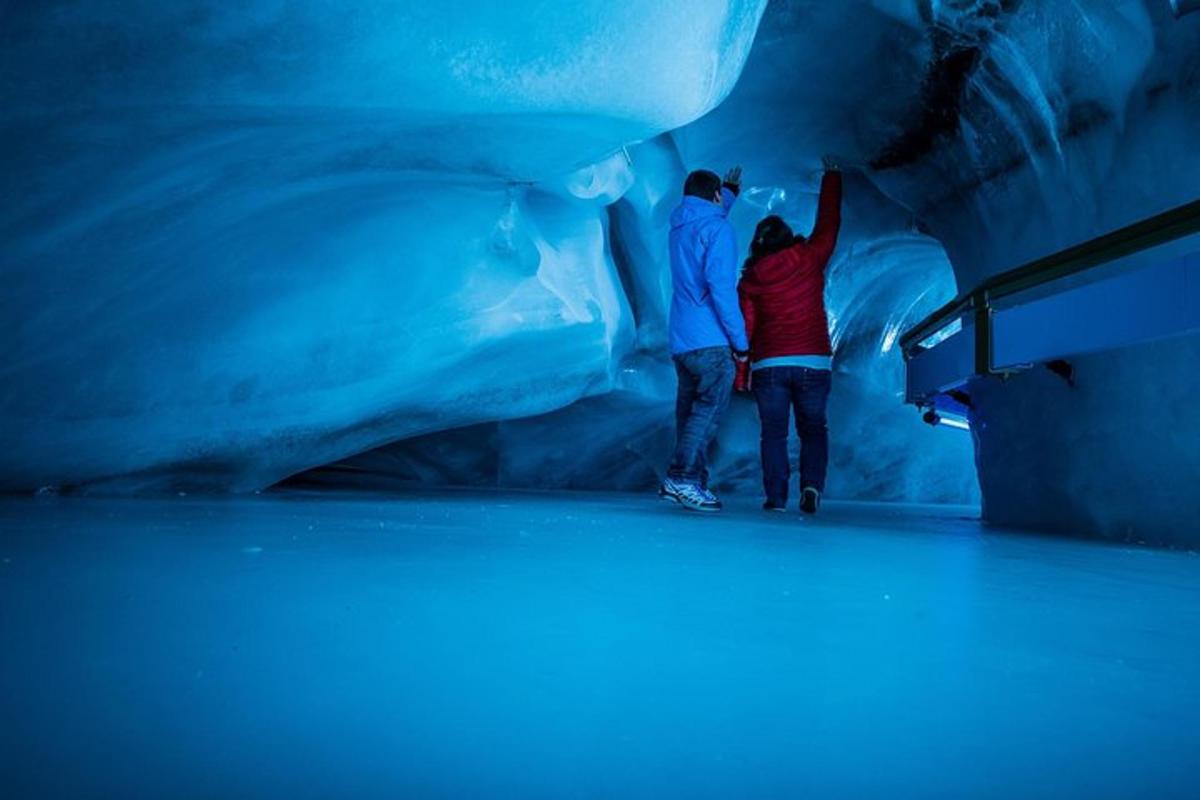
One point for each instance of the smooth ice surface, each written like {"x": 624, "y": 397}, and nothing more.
{"x": 412, "y": 72}
{"x": 241, "y": 242}
{"x": 492, "y": 645}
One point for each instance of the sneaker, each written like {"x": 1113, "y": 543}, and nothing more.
{"x": 777, "y": 507}
{"x": 691, "y": 495}
{"x": 669, "y": 490}
{"x": 810, "y": 500}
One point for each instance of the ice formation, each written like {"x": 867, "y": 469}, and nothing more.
{"x": 1078, "y": 119}
{"x": 240, "y": 242}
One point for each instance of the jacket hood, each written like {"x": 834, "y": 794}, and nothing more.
{"x": 694, "y": 209}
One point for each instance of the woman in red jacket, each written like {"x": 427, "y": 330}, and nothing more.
{"x": 782, "y": 296}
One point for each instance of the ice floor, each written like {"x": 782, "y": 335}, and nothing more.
{"x": 528, "y": 646}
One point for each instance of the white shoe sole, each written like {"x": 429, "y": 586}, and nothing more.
{"x": 701, "y": 509}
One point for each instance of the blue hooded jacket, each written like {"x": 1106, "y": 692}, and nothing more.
{"x": 704, "y": 273}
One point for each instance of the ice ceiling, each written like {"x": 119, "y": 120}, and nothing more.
{"x": 245, "y": 240}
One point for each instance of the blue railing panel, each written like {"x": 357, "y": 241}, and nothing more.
{"x": 1151, "y": 303}
{"x": 942, "y": 367}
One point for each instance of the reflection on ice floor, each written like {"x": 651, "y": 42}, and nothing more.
{"x": 472, "y": 645}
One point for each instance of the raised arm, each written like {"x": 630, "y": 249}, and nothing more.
{"x": 720, "y": 273}
{"x": 829, "y": 213}
{"x": 731, "y": 187}
{"x": 728, "y": 198}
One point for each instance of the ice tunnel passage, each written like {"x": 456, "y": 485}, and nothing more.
{"x": 244, "y": 243}
{"x": 417, "y": 248}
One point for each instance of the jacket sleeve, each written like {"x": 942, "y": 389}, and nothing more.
{"x": 720, "y": 273}
{"x": 829, "y": 217}
{"x": 746, "y": 301}
{"x": 728, "y": 198}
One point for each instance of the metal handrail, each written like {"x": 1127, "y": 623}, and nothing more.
{"x": 1157, "y": 230}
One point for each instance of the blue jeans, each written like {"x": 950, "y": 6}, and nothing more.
{"x": 780, "y": 390}
{"x": 705, "y": 384}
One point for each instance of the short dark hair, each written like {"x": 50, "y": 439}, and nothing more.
{"x": 702, "y": 183}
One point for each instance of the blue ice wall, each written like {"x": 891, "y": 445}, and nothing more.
{"x": 1078, "y": 119}
{"x": 824, "y": 78}
{"x": 1008, "y": 131}
{"x": 250, "y": 241}
{"x": 239, "y": 243}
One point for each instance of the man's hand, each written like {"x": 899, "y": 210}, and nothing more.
{"x": 830, "y": 163}
{"x": 733, "y": 180}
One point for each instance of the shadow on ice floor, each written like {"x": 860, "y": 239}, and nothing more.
{"x": 486, "y": 645}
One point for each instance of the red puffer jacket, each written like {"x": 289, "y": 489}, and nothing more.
{"x": 783, "y": 295}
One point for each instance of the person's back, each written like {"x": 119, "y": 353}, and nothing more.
{"x": 706, "y": 330}
{"x": 782, "y": 294}
{"x": 703, "y": 250}
{"x": 782, "y": 297}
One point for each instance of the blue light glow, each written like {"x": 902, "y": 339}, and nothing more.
{"x": 275, "y": 273}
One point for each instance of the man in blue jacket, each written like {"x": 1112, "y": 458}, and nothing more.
{"x": 707, "y": 331}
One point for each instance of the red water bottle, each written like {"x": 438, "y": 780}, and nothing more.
{"x": 741, "y": 376}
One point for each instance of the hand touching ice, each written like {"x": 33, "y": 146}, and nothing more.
{"x": 733, "y": 179}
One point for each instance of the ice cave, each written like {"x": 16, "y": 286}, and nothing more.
{"x": 338, "y": 383}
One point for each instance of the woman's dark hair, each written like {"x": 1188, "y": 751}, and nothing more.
{"x": 702, "y": 183}
{"x": 771, "y": 236}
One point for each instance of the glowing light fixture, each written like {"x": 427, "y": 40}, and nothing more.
{"x": 932, "y": 417}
